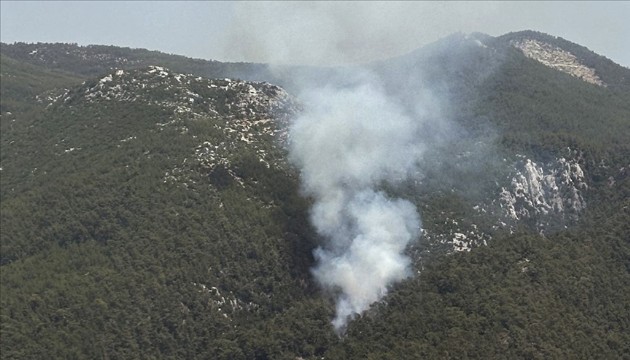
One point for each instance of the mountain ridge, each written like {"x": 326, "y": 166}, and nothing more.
{"x": 72, "y": 58}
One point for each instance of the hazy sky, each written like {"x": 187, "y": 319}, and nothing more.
{"x": 304, "y": 32}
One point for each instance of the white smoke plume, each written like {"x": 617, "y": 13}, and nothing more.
{"x": 347, "y": 143}
{"x": 352, "y": 137}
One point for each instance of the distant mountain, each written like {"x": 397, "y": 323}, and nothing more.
{"x": 98, "y": 60}
{"x": 149, "y": 210}
{"x": 95, "y": 60}
{"x": 22, "y": 82}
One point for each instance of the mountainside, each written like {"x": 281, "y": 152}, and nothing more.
{"x": 524, "y": 133}
{"x": 95, "y": 60}
{"x": 149, "y": 208}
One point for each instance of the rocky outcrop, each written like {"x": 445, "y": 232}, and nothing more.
{"x": 544, "y": 193}
{"x": 556, "y": 58}
{"x": 546, "y": 197}
{"x": 184, "y": 93}
{"x": 246, "y": 115}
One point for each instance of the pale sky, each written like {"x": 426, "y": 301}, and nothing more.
{"x": 308, "y": 32}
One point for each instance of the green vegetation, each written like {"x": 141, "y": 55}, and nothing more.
{"x": 522, "y": 297}
{"x": 21, "y": 82}
{"x": 543, "y": 110}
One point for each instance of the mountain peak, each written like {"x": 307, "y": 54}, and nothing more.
{"x": 570, "y": 58}
{"x": 557, "y": 58}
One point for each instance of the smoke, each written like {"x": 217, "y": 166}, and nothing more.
{"x": 346, "y": 32}
{"x": 347, "y": 143}
{"x": 353, "y": 137}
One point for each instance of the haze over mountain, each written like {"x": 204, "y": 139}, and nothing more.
{"x": 308, "y": 32}
{"x": 468, "y": 199}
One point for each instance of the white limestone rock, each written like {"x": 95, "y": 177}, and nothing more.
{"x": 558, "y": 59}
{"x": 542, "y": 192}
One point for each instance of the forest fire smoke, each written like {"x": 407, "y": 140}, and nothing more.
{"x": 347, "y": 143}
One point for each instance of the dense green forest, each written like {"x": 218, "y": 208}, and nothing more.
{"x": 123, "y": 235}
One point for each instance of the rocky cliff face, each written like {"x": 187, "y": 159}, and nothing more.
{"x": 542, "y": 196}
{"x": 544, "y": 193}
{"x": 558, "y": 59}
